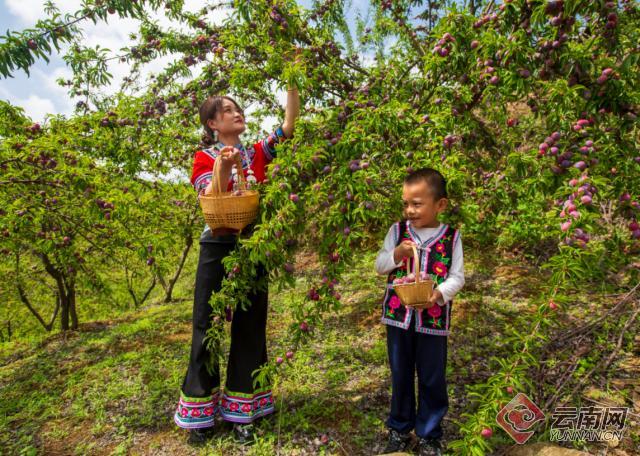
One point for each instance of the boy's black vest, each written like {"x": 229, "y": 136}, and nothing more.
{"x": 436, "y": 260}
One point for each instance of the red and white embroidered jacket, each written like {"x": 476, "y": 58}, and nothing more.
{"x": 256, "y": 158}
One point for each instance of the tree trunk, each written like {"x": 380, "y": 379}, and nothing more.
{"x": 151, "y": 287}
{"x": 27, "y": 303}
{"x": 25, "y": 300}
{"x": 66, "y": 294}
{"x": 160, "y": 278}
{"x": 71, "y": 295}
{"x": 64, "y": 315}
{"x": 176, "y": 276}
{"x": 137, "y": 303}
{"x": 129, "y": 281}
{"x": 67, "y": 290}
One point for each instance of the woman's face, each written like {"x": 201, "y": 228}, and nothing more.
{"x": 228, "y": 121}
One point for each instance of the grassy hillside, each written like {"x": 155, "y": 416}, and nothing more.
{"x": 111, "y": 388}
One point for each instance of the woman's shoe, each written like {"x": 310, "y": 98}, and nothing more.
{"x": 244, "y": 433}
{"x": 199, "y": 436}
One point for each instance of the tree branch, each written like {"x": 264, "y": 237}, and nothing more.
{"x": 25, "y": 300}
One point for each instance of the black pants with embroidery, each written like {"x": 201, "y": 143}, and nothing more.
{"x": 248, "y": 351}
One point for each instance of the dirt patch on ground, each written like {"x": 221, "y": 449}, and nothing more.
{"x": 162, "y": 442}
{"x": 367, "y": 320}
{"x": 96, "y": 326}
{"x": 509, "y": 272}
{"x": 518, "y": 109}
{"x": 54, "y": 342}
{"x": 464, "y": 311}
{"x": 182, "y": 337}
{"x": 52, "y": 442}
{"x": 307, "y": 261}
{"x": 363, "y": 307}
{"x": 169, "y": 442}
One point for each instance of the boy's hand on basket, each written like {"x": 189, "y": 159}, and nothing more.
{"x": 404, "y": 250}
{"x": 433, "y": 300}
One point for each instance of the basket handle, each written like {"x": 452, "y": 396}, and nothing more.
{"x": 416, "y": 264}
{"x": 217, "y": 169}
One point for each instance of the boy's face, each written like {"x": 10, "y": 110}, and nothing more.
{"x": 420, "y": 207}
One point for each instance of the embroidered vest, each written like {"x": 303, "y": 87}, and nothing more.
{"x": 435, "y": 259}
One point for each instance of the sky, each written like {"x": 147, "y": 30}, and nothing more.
{"x": 39, "y": 94}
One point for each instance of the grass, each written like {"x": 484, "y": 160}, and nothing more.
{"x": 111, "y": 388}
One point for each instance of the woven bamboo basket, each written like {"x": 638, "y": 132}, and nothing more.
{"x": 224, "y": 210}
{"x": 415, "y": 294}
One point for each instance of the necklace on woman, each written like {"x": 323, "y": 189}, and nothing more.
{"x": 251, "y": 179}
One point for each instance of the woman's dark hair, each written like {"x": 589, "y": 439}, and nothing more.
{"x": 433, "y": 179}
{"x": 208, "y": 110}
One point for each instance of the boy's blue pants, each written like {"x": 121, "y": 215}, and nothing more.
{"x": 411, "y": 352}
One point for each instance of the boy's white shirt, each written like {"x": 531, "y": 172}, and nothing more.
{"x": 454, "y": 281}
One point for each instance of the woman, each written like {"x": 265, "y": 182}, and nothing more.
{"x": 201, "y": 397}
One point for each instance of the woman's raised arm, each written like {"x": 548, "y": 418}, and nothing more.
{"x": 292, "y": 112}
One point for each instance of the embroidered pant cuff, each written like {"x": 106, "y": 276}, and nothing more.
{"x": 196, "y": 412}
{"x": 246, "y": 408}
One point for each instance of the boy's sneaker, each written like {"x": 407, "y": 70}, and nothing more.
{"x": 429, "y": 447}
{"x": 397, "y": 442}
{"x": 199, "y": 436}
{"x": 244, "y": 433}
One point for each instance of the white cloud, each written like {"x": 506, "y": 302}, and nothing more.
{"x": 57, "y": 94}
{"x": 46, "y": 96}
{"x": 115, "y": 35}
{"x": 4, "y": 93}
{"x": 29, "y": 11}
{"x": 37, "y": 107}
{"x": 111, "y": 35}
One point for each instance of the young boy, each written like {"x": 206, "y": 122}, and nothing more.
{"x": 417, "y": 338}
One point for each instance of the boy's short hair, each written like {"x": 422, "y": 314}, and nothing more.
{"x": 434, "y": 180}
